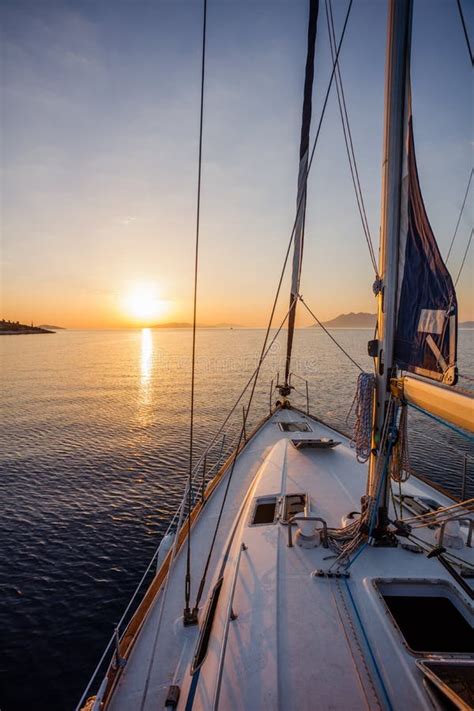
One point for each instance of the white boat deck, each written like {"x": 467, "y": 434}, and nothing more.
{"x": 297, "y": 641}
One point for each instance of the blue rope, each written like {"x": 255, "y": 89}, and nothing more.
{"x": 458, "y": 430}
{"x": 356, "y": 555}
{"x": 372, "y": 656}
{"x": 374, "y": 512}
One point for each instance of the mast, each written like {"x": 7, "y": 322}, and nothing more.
{"x": 302, "y": 183}
{"x": 396, "y": 82}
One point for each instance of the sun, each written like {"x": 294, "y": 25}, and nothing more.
{"x": 142, "y": 303}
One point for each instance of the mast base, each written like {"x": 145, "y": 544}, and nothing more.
{"x": 381, "y": 536}
{"x": 383, "y": 539}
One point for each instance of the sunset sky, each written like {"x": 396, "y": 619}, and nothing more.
{"x": 100, "y": 106}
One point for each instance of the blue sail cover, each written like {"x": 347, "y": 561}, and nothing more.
{"x": 426, "y": 330}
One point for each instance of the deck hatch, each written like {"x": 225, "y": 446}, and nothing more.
{"x": 264, "y": 511}
{"x": 453, "y": 678}
{"x": 294, "y": 427}
{"x": 431, "y": 617}
{"x": 321, "y": 443}
{"x": 293, "y": 504}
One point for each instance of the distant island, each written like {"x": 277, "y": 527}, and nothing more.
{"x": 181, "y": 324}
{"x": 15, "y": 328}
{"x": 365, "y": 320}
{"x": 51, "y": 328}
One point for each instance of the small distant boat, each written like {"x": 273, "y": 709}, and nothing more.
{"x": 294, "y": 577}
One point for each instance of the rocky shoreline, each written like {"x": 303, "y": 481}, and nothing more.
{"x": 14, "y": 328}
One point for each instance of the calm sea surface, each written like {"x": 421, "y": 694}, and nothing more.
{"x": 93, "y": 458}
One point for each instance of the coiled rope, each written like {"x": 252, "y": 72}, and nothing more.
{"x": 400, "y": 462}
{"x": 363, "y": 404}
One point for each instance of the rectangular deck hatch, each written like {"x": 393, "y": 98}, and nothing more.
{"x": 264, "y": 511}
{"x": 294, "y": 427}
{"x": 454, "y": 679}
{"x": 321, "y": 443}
{"x": 429, "y": 621}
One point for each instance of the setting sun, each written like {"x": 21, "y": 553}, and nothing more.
{"x": 142, "y": 304}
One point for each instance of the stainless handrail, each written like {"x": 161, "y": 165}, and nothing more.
{"x": 468, "y": 521}
{"x": 305, "y": 381}
{"x": 297, "y": 517}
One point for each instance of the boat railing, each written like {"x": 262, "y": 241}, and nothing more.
{"x": 306, "y": 383}
{"x": 275, "y": 385}
{"x": 466, "y": 479}
{"x": 218, "y": 450}
{"x": 207, "y": 466}
{"x": 463, "y": 466}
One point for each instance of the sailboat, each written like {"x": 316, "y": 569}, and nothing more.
{"x": 306, "y": 573}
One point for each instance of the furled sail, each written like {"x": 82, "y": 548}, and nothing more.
{"x": 426, "y": 329}
{"x": 302, "y": 177}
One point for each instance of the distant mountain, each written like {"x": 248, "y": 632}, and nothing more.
{"x": 365, "y": 320}
{"x": 173, "y": 324}
{"x": 351, "y": 320}
{"x": 52, "y": 328}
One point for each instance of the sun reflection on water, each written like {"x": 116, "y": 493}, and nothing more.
{"x": 146, "y": 365}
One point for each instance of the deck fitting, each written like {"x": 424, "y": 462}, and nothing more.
{"x": 320, "y": 573}
{"x": 190, "y": 617}
{"x": 172, "y": 697}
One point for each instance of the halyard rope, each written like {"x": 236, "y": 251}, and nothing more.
{"x": 400, "y": 462}
{"x": 363, "y": 403}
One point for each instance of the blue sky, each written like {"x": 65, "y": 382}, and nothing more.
{"x": 100, "y": 107}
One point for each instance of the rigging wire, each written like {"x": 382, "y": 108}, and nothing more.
{"x": 435, "y": 514}
{"x": 454, "y": 428}
{"x": 460, "y": 215}
{"x": 341, "y": 348}
{"x": 193, "y": 365}
{"x": 463, "y": 259}
{"x": 457, "y": 560}
{"x": 346, "y": 128}
{"x": 275, "y": 301}
{"x": 466, "y": 35}
{"x": 460, "y": 452}
{"x": 267, "y": 351}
